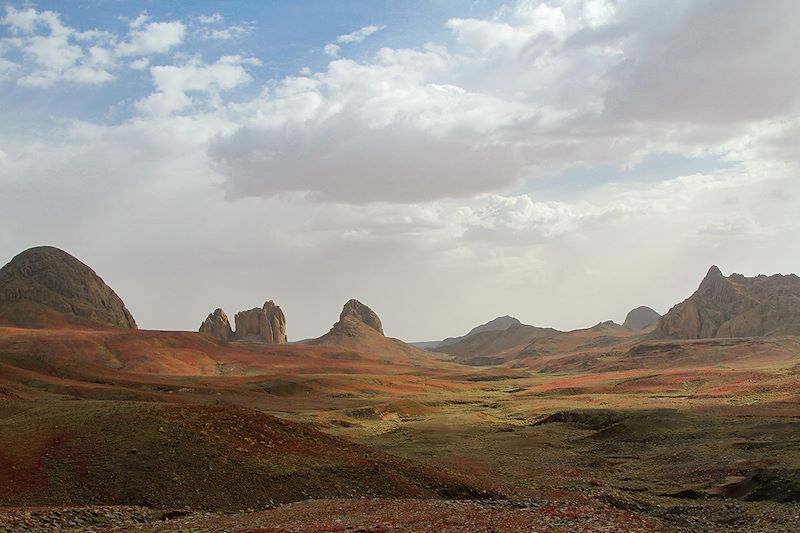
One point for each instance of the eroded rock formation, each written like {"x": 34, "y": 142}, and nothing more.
{"x": 266, "y": 323}
{"x": 218, "y": 326}
{"x": 357, "y": 310}
{"x": 262, "y": 324}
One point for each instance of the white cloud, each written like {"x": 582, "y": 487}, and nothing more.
{"x": 173, "y": 82}
{"x": 146, "y": 38}
{"x": 226, "y": 34}
{"x": 214, "y": 18}
{"x": 331, "y": 49}
{"x": 55, "y": 52}
{"x": 139, "y": 64}
{"x": 209, "y": 28}
{"x": 6, "y": 67}
{"x": 359, "y": 35}
{"x": 51, "y": 48}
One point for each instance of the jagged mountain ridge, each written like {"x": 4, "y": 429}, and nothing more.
{"x": 735, "y": 306}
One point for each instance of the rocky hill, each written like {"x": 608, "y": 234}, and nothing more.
{"x": 359, "y": 329}
{"x": 735, "y": 306}
{"x": 45, "y": 286}
{"x": 640, "y": 318}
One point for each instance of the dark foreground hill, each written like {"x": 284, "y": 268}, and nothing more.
{"x": 45, "y": 286}
{"x": 201, "y": 456}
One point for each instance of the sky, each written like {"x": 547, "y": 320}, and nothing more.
{"x": 445, "y": 162}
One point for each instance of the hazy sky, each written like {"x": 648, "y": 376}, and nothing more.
{"x": 443, "y": 162}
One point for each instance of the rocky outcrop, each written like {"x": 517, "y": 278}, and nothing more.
{"x": 735, "y": 306}
{"x": 218, "y": 326}
{"x": 640, "y": 318}
{"x": 267, "y": 324}
{"x": 45, "y": 286}
{"x": 358, "y": 311}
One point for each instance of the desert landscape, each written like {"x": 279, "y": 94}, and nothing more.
{"x": 492, "y": 266}
{"x": 663, "y": 424}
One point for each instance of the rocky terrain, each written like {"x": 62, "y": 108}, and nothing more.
{"x": 45, "y": 286}
{"x": 735, "y": 306}
{"x": 640, "y": 318}
{"x": 266, "y": 324}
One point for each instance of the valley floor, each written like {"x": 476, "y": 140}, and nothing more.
{"x": 703, "y": 437}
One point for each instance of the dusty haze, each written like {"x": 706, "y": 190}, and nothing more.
{"x": 561, "y": 163}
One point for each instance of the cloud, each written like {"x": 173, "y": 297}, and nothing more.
{"x": 331, "y": 49}
{"x": 173, "y": 82}
{"x": 209, "y": 28}
{"x": 375, "y": 131}
{"x": 52, "y": 49}
{"x": 139, "y": 64}
{"x": 55, "y": 52}
{"x": 359, "y": 35}
{"x": 536, "y": 90}
{"x": 742, "y": 69}
{"x": 214, "y": 18}
{"x": 146, "y": 38}
{"x": 6, "y": 67}
{"x": 227, "y": 33}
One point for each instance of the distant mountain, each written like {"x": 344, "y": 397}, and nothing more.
{"x": 640, "y": 318}
{"x": 735, "y": 306}
{"x": 497, "y": 324}
{"x": 491, "y": 346}
{"x": 46, "y": 287}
